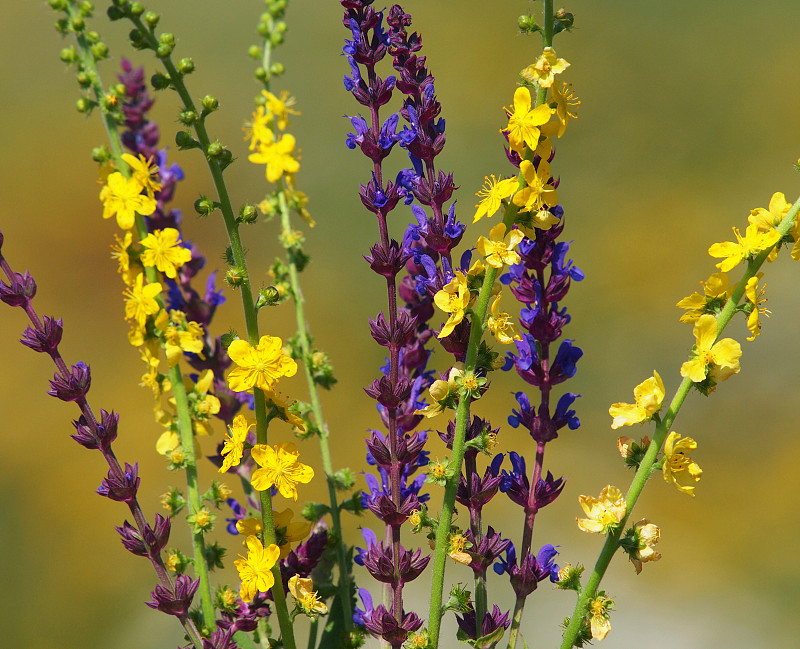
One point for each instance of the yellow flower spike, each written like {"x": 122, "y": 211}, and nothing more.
{"x": 280, "y": 467}
{"x": 757, "y": 299}
{"x": 678, "y": 467}
{"x": 493, "y": 191}
{"x": 538, "y": 194}
{"x": 144, "y": 171}
{"x": 501, "y": 325}
{"x": 724, "y": 353}
{"x": 255, "y": 570}
{"x": 716, "y": 290}
{"x": 141, "y": 300}
{"x": 498, "y": 250}
{"x": 454, "y": 298}
{"x": 603, "y": 513}
{"x": 162, "y": 249}
{"x": 523, "y": 123}
{"x": 648, "y": 535}
{"x": 599, "y": 622}
{"x": 260, "y": 366}
{"x": 745, "y": 247}
{"x": 543, "y": 72}
{"x": 123, "y": 197}
{"x": 301, "y": 589}
{"x": 648, "y": 395}
{"x": 233, "y": 448}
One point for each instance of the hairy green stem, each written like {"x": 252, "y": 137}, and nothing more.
{"x": 662, "y": 428}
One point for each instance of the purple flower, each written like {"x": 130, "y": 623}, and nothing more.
{"x": 74, "y": 386}
{"x": 21, "y": 290}
{"x": 123, "y": 487}
{"x": 45, "y": 339}
{"x": 175, "y": 602}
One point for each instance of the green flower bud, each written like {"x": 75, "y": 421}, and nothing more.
{"x": 99, "y": 51}
{"x": 101, "y": 154}
{"x": 137, "y": 39}
{"x": 204, "y": 206}
{"x": 114, "y": 13}
{"x": 108, "y": 103}
{"x": 263, "y": 29}
{"x": 163, "y": 51}
{"x": 57, "y": 5}
{"x": 281, "y": 27}
{"x": 77, "y": 24}
{"x": 276, "y": 39}
{"x": 84, "y": 79}
{"x": 119, "y": 90}
{"x": 186, "y": 65}
{"x": 185, "y": 141}
{"x": 235, "y": 277}
{"x": 564, "y": 20}
{"x": 215, "y": 149}
{"x": 151, "y": 19}
{"x": 527, "y": 24}
{"x": 209, "y": 103}
{"x": 93, "y": 37}
{"x": 86, "y": 8}
{"x": 248, "y": 214}
{"x": 68, "y": 55}
{"x": 160, "y": 81}
{"x": 136, "y": 9}
{"x": 277, "y": 7}
{"x": 84, "y": 105}
{"x": 62, "y": 26}
{"x": 261, "y": 74}
{"x": 277, "y": 69}
{"x": 344, "y": 479}
{"x": 269, "y": 296}
{"x": 187, "y": 117}
{"x": 167, "y": 38}
{"x": 254, "y": 52}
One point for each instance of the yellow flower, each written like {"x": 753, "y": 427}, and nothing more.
{"x": 143, "y": 172}
{"x": 260, "y": 366}
{"x": 121, "y": 252}
{"x": 603, "y": 513}
{"x": 648, "y": 395}
{"x": 458, "y": 543}
{"x": 124, "y": 199}
{"x": 545, "y": 69}
{"x": 493, "y": 191}
{"x": 277, "y": 156}
{"x": 279, "y": 108}
{"x": 625, "y": 445}
{"x": 501, "y": 325}
{"x": 162, "y": 249}
{"x": 234, "y": 442}
{"x": 566, "y": 101}
{"x": 499, "y": 248}
{"x": 287, "y": 531}
{"x": 769, "y": 219}
{"x": 141, "y": 300}
{"x": 179, "y": 335}
{"x": 279, "y": 467}
{"x": 283, "y": 410}
{"x": 678, "y": 467}
{"x": 307, "y": 600}
{"x": 255, "y": 570}
{"x": 724, "y": 353}
{"x": 757, "y": 299}
{"x": 523, "y": 123}
{"x": 648, "y": 535}
{"x": 716, "y": 292}
{"x": 453, "y": 299}
{"x": 439, "y": 391}
{"x": 599, "y": 622}
{"x": 538, "y": 193}
{"x": 745, "y": 247}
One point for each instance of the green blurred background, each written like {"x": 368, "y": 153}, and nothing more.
{"x": 689, "y": 120}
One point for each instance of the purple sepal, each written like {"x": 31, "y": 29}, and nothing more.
{"x": 20, "y": 292}
{"x": 99, "y": 437}
{"x": 154, "y": 539}
{"x": 174, "y": 603}
{"x": 121, "y": 488}
{"x": 47, "y": 338}
{"x": 74, "y": 386}
{"x": 493, "y": 627}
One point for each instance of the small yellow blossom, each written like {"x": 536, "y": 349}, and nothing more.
{"x": 260, "y": 366}
{"x": 724, "y": 353}
{"x": 285, "y": 411}
{"x": 278, "y": 156}
{"x": 280, "y": 107}
{"x": 123, "y": 197}
{"x": 745, "y": 247}
{"x": 458, "y": 543}
{"x": 141, "y": 300}
{"x": 172, "y": 562}
{"x": 498, "y": 250}
{"x": 603, "y": 513}
{"x": 625, "y": 443}
{"x": 566, "y": 102}
{"x": 454, "y": 298}
{"x": 234, "y": 442}
{"x": 418, "y": 640}
{"x": 177, "y": 456}
{"x": 120, "y": 251}
{"x": 255, "y": 570}
{"x": 757, "y": 299}
{"x": 279, "y": 467}
{"x": 249, "y": 527}
{"x": 162, "y": 249}
{"x": 545, "y": 69}
{"x": 599, "y": 621}
{"x": 301, "y": 589}
{"x": 502, "y": 326}
{"x": 288, "y": 531}
{"x": 648, "y": 395}
{"x": 144, "y": 171}
{"x": 439, "y": 391}
{"x": 493, "y": 191}
{"x": 716, "y": 290}
{"x": 769, "y": 219}
{"x": 648, "y": 535}
{"x": 438, "y": 470}
{"x": 227, "y": 598}
{"x": 678, "y": 467}
{"x": 523, "y": 123}
{"x": 179, "y": 336}
{"x": 415, "y": 518}
{"x": 538, "y": 193}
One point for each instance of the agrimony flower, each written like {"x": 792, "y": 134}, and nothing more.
{"x": 142, "y": 171}
{"x": 566, "y": 101}
{"x": 233, "y": 448}
{"x": 278, "y": 156}
{"x": 162, "y": 249}
{"x": 753, "y": 242}
{"x": 493, "y": 193}
{"x": 280, "y": 467}
{"x": 604, "y": 513}
{"x": 260, "y": 366}
{"x": 141, "y": 300}
{"x": 538, "y": 193}
{"x": 724, "y": 353}
{"x": 255, "y": 570}
{"x": 599, "y": 620}
{"x": 647, "y": 535}
{"x": 545, "y": 69}
{"x": 756, "y": 299}
{"x": 770, "y": 218}
{"x": 716, "y": 291}
{"x": 301, "y": 589}
{"x": 498, "y": 250}
{"x": 454, "y": 298}
{"x": 678, "y": 467}
{"x": 501, "y": 325}
{"x": 123, "y": 197}
{"x": 523, "y": 123}
{"x": 648, "y": 395}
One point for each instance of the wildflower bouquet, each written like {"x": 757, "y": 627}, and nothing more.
{"x": 269, "y": 529}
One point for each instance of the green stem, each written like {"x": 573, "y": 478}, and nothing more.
{"x": 662, "y": 428}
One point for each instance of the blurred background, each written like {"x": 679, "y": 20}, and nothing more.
{"x": 689, "y": 119}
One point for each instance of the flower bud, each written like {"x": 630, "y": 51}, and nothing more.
{"x": 277, "y": 69}
{"x": 160, "y": 81}
{"x": 235, "y": 277}
{"x": 136, "y": 9}
{"x": 185, "y": 141}
{"x": 151, "y": 19}
{"x": 86, "y": 8}
{"x": 77, "y": 24}
{"x": 57, "y": 5}
{"x": 114, "y": 13}
{"x": 68, "y": 55}
{"x": 186, "y": 65}
{"x": 248, "y": 214}
{"x": 254, "y": 52}
{"x": 99, "y": 51}
{"x": 84, "y": 79}
{"x": 204, "y": 206}
{"x": 84, "y": 105}
{"x": 209, "y": 103}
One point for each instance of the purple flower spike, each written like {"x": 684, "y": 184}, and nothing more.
{"x": 121, "y": 488}
{"x": 74, "y": 386}
{"x": 175, "y": 603}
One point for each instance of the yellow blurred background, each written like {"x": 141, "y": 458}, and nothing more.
{"x": 689, "y": 119}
